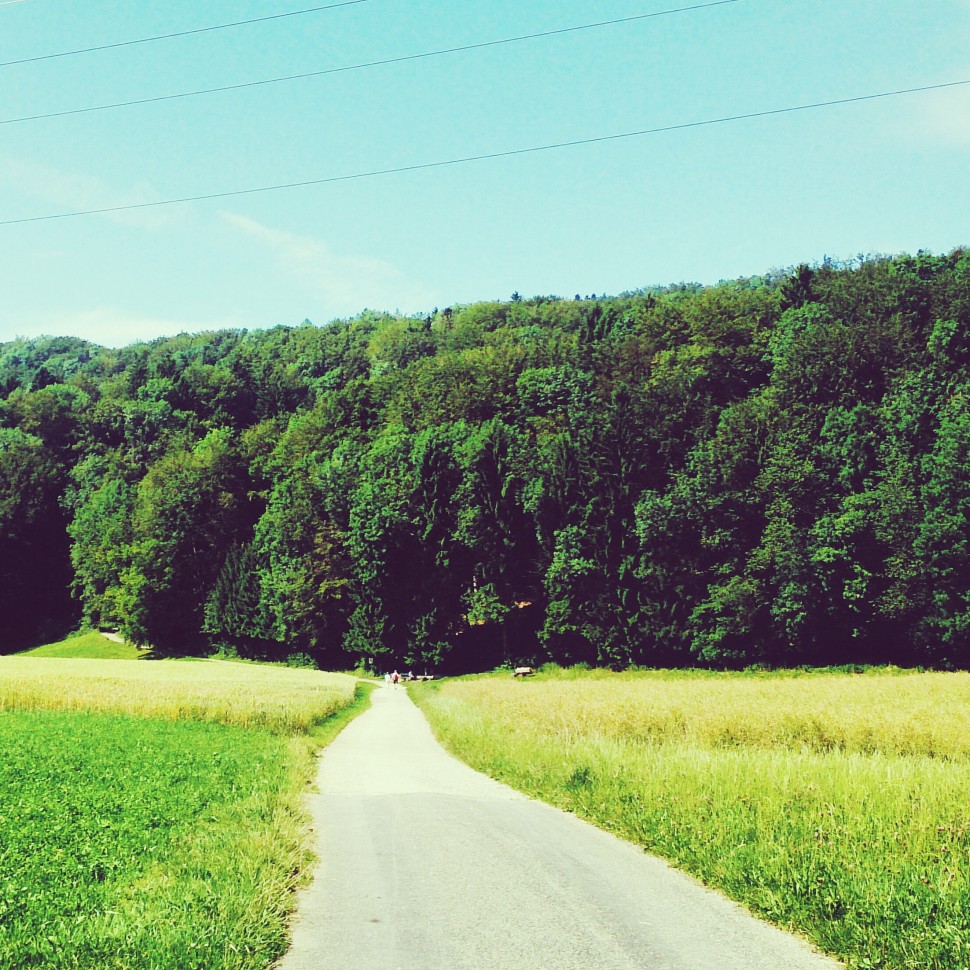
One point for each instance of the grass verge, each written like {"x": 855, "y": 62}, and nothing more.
{"x": 839, "y": 826}
{"x": 169, "y": 843}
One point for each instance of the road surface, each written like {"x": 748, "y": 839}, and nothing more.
{"x": 429, "y": 865}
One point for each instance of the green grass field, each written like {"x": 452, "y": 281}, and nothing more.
{"x": 832, "y": 804}
{"x": 91, "y": 645}
{"x": 151, "y": 814}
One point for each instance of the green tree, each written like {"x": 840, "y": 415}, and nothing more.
{"x": 188, "y": 514}
{"x": 35, "y": 572}
{"x": 101, "y": 534}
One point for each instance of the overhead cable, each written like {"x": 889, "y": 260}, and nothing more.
{"x": 178, "y": 33}
{"x": 420, "y": 166}
{"x": 363, "y": 65}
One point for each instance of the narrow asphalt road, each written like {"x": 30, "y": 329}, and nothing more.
{"x": 429, "y": 865}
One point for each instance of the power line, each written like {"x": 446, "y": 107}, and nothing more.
{"x": 179, "y": 33}
{"x": 420, "y": 166}
{"x": 364, "y": 65}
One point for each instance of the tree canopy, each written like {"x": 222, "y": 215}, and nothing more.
{"x": 767, "y": 471}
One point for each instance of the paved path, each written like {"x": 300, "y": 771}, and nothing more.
{"x": 428, "y": 865}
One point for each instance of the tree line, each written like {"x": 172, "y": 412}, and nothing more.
{"x": 772, "y": 470}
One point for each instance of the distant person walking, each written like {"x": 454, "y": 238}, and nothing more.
{"x": 395, "y": 678}
{"x": 387, "y": 679}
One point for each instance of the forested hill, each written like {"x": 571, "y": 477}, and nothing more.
{"x": 772, "y": 470}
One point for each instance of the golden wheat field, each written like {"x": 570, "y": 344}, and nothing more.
{"x": 281, "y": 699}
{"x": 889, "y": 712}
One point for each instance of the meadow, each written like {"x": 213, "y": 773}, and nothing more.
{"x": 280, "y": 699}
{"x": 835, "y": 805}
{"x": 91, "y": 645}
{"x": 151, "y": 813}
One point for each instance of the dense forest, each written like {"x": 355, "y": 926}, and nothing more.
{"x": 772, "y": 470}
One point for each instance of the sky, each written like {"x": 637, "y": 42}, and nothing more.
{"x": 702, "y": 203}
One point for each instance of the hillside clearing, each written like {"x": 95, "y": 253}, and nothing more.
{"x": 91, "y": 645}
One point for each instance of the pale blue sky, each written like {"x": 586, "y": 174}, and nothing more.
{"x": 702, "y": 204}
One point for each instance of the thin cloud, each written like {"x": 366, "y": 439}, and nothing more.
{"x": 942, "y": 118}
{"x": 345, "y": 283}
{"x": 945, "y": 118}
{"x": 110, "y": 326}
{"x": 59, "y": 189}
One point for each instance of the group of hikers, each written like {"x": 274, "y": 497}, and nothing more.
{"x": 393, "y": 679}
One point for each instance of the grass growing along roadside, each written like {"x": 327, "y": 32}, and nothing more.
{"x": 129, "y": 842}
{"x": 174, "y": 841}
{"x": 831, "y": 804}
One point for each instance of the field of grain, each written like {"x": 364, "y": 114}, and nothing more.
{"x": 892, "y": 712}
{"x": 151, "y": 813}
{"x": 281, "y": 699}
{"x": 836, "y": 805}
